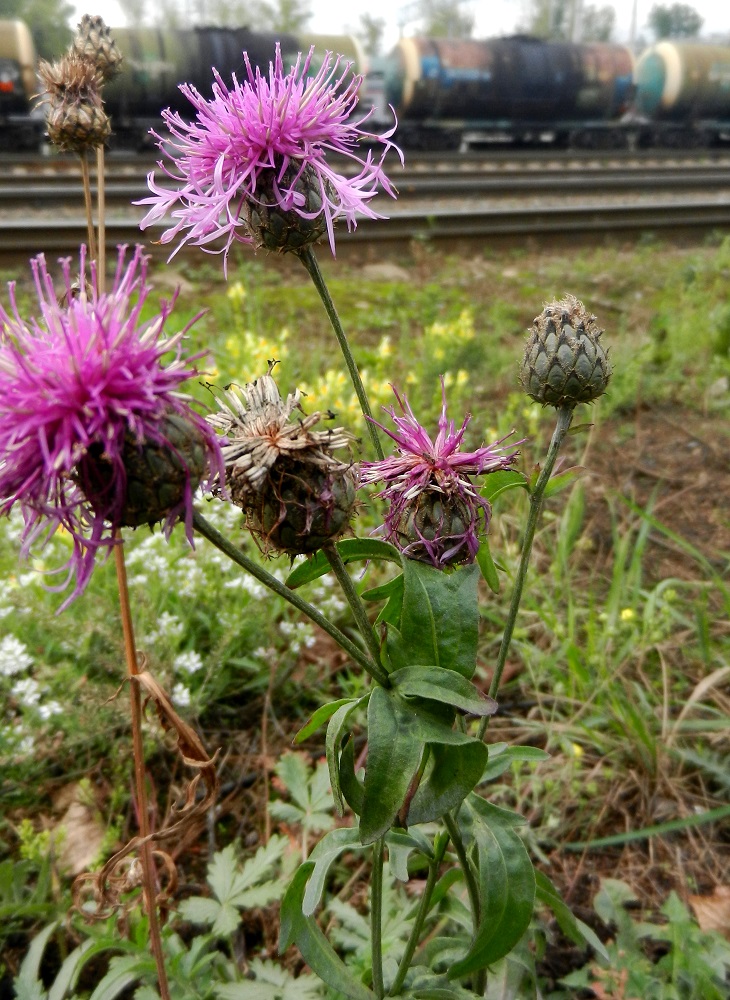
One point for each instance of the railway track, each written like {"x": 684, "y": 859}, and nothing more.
{"x": 472, "y": 198}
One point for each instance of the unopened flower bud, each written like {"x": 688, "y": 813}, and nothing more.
{"x": 565, "y": 363}
{"x": 93, "y": 42}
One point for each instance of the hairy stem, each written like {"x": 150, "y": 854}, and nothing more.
{"x": 149, "y": 875}
{"x": 423, "y": 907}
{"x": 86, "y": 178}
{"x": 376, "y": 916}
{"x": 206, "y": 529}
{"x": 565, "y": 416}
{"x": 472, "y": 888}
{"x": 309, "y": 260}
{"x": 358, "y": 609}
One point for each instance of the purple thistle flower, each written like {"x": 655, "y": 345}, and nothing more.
{"x": 84, "y": 401}
{"x": 436, "y": 513}
{"x": 265, "y": 142}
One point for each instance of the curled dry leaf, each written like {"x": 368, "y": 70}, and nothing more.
{"x": 122, "y": 873}
{"x": 713, "y": 912}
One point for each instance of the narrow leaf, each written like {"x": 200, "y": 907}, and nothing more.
{"x": 322, "y": 715}
{"x": 500, "y": 482}
{"x": 487, "y": 567}
{"x": 393, "y": 593}
{"x": 352, "y": 788}
{"x": 440, "y": 619}
{"x": 317, "y": 952}
{"x": 501, "y": 757}
{"x": 444, "y": 686}
{"x": 569, "y": 924}
{"x": 393, "y": 757}
{"x": 350, "y": 550}
{"x": 329, "y": 848}
{"x": 454, "y": 771}
{"x": 563, "y": 480}
{"x": 335, "y": 730}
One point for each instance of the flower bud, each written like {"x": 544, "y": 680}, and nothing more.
{"x": 565, "y": 363}
{"x": 93, "y": 42}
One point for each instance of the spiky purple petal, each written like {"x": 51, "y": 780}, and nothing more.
{"x": 246, "y": 132}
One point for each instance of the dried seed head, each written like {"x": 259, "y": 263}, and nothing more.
{"x": 271, "y": 226}
{"x": 280, "y": 471}
{"x": 94, "y": 44}
{"x": 564, "y": 362}
{"x": 76, "y": 119}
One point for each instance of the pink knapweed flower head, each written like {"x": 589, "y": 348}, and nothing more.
{"x": 91, "y": 419}
{"x": 436, "y": 513}
{"x": 261, "y": 146}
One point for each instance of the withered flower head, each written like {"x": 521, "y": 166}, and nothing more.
{"x": 76, "y": 118}
{"x": 281, "y": 472}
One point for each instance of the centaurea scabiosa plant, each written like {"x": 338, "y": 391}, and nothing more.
{"x": 252, "y": 168}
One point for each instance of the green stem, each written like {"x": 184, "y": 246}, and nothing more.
{"x": 565, "y": 416}
{"x": 206, "y": 529}
{"x": 358, "y": 609}
{"x": 309, "y": 260}
{"x": 376, "y": 917}
{"x": 423, "y": 907}
{"x": 472, "y": 888}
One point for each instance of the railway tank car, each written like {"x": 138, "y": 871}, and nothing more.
{"x": 18, "y": 125}
{"x": 683, "y": 90}
{"x": 446, "y": 91}
{"x": 156, "y": 61}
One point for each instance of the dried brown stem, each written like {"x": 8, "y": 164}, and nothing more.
{"x": 148, "y": 863}
{"x": 87, "y": 202}
{"x": 101, "y": 210}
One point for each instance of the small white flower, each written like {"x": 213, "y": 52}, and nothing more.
{"x": 27, "y": 691}
{"x": 14, "y": 656}
{"x": 188, "y": 662}
{"x": 50, "y": 708}
{"x": 181, "y": 695}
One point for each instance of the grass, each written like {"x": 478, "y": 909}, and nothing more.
{"x": 620, "y": 662}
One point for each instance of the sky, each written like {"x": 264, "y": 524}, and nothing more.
{"x": 493, "y": 17}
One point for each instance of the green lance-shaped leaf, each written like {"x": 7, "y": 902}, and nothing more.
{"x": 352, "y": 788}
{"x": 322, "y": 715}
{"x": 394, "y": 753}
{"x": 501, "y": 756}
{"x": 453, "y": 772}
{"x": 440, "y": 618}
{"x": 487, "y": 567}
{"x": 329, "y": 848}
{"x": 335, "y": 731}
{"x": 400, "y": 847}
{"x": 350, "y": 550}
{"x": 444, "y": 686}
{"x": 506, "y": 884}
{"x": 569, "y": 924}
{"x": 392, "y": 592}
{"x": 317, "y": 952}
{"x": 563, "y": 480}
{"x": 502, "y": 481}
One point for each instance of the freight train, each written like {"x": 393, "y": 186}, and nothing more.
{"x": 447, "y": 94}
